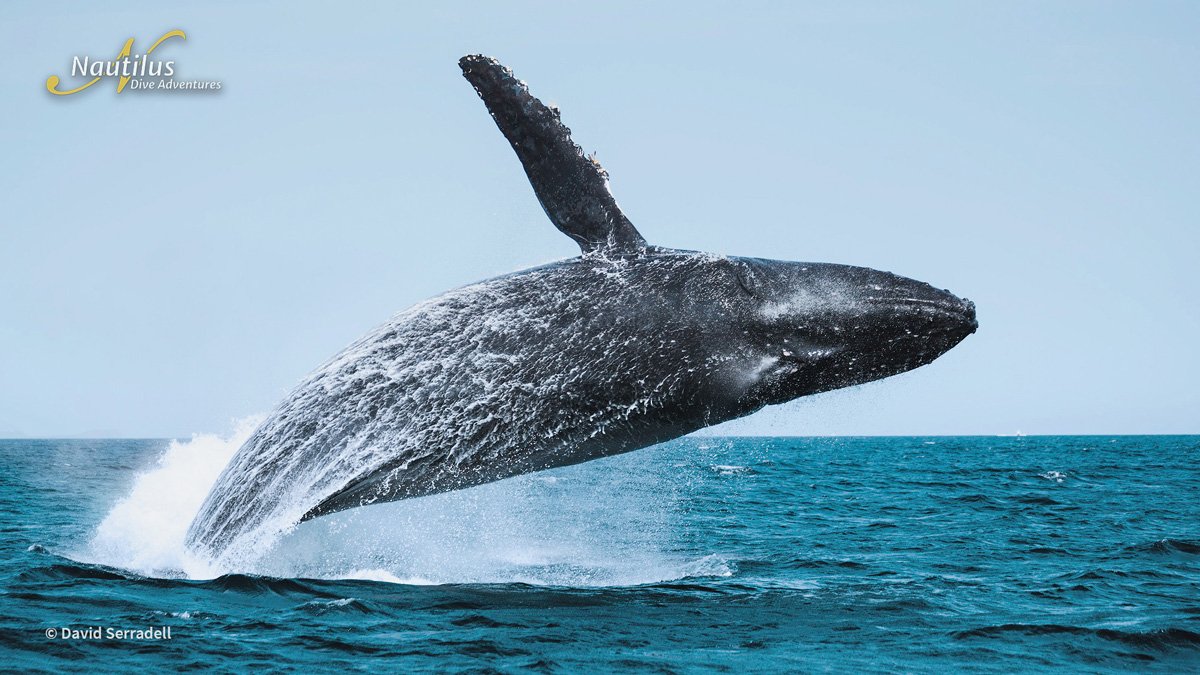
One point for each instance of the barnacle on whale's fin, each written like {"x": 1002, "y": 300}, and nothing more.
{"x": 572, "y": 187}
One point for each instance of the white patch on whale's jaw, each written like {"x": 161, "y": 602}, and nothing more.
{"x": 765, "y": 365}
{"x": 768, "y": 379}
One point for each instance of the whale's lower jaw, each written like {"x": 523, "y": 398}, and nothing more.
{"x": 792, "y": 380}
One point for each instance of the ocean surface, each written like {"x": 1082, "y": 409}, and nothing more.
{"x": 971, "y": 554}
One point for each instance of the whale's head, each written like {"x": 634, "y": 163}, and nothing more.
{"x": 793, "y": 329}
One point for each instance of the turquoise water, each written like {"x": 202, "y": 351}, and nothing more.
{"x": 975, "y": 554}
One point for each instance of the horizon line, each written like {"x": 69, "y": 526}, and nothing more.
{"x": 790, "y": 436}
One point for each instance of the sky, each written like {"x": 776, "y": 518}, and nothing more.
{"x": 172, "y": 262}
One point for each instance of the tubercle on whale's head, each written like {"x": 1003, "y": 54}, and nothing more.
{"x": 789, "y": 329}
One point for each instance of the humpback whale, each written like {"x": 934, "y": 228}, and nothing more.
{"x": 625, "y": 346}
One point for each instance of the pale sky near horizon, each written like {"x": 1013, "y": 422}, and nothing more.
{"x": 172, "y": 262}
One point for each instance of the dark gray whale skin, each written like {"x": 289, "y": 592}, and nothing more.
{"x": 626, "y": 346}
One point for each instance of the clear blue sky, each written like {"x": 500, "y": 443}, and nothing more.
{"x": 171, "y": 262}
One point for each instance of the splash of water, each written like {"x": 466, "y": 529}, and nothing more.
{"x": 145, "y": 530}
{"x": 610, "y": 523}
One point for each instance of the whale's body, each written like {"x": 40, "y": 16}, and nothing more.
{"x": 623, "y": 347}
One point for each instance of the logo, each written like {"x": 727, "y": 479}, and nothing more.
{"x": 131, "y": 70}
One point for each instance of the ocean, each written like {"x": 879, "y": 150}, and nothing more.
{"x": 968, "y": 554}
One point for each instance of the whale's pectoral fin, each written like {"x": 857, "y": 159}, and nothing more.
{"x": 572, "y": 187}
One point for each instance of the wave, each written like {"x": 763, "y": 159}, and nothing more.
{"x": 321, "y": 595}
{"x": 1167, "y": 547}
{"x": 1159, "y": 638}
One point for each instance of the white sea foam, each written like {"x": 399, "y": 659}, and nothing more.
{"x": 384, "y": 575}
{"x": 730, "y": 469}
{"x": 144, "y": 532}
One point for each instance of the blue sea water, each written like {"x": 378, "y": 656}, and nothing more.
{"x": 974, "y": 554}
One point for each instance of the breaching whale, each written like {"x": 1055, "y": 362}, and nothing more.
{"x": 623, "y": 347}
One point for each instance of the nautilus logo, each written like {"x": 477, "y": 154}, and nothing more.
{"x": 132, "y": 70}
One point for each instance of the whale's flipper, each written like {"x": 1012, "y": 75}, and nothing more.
{"x": 572, "y": 187}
